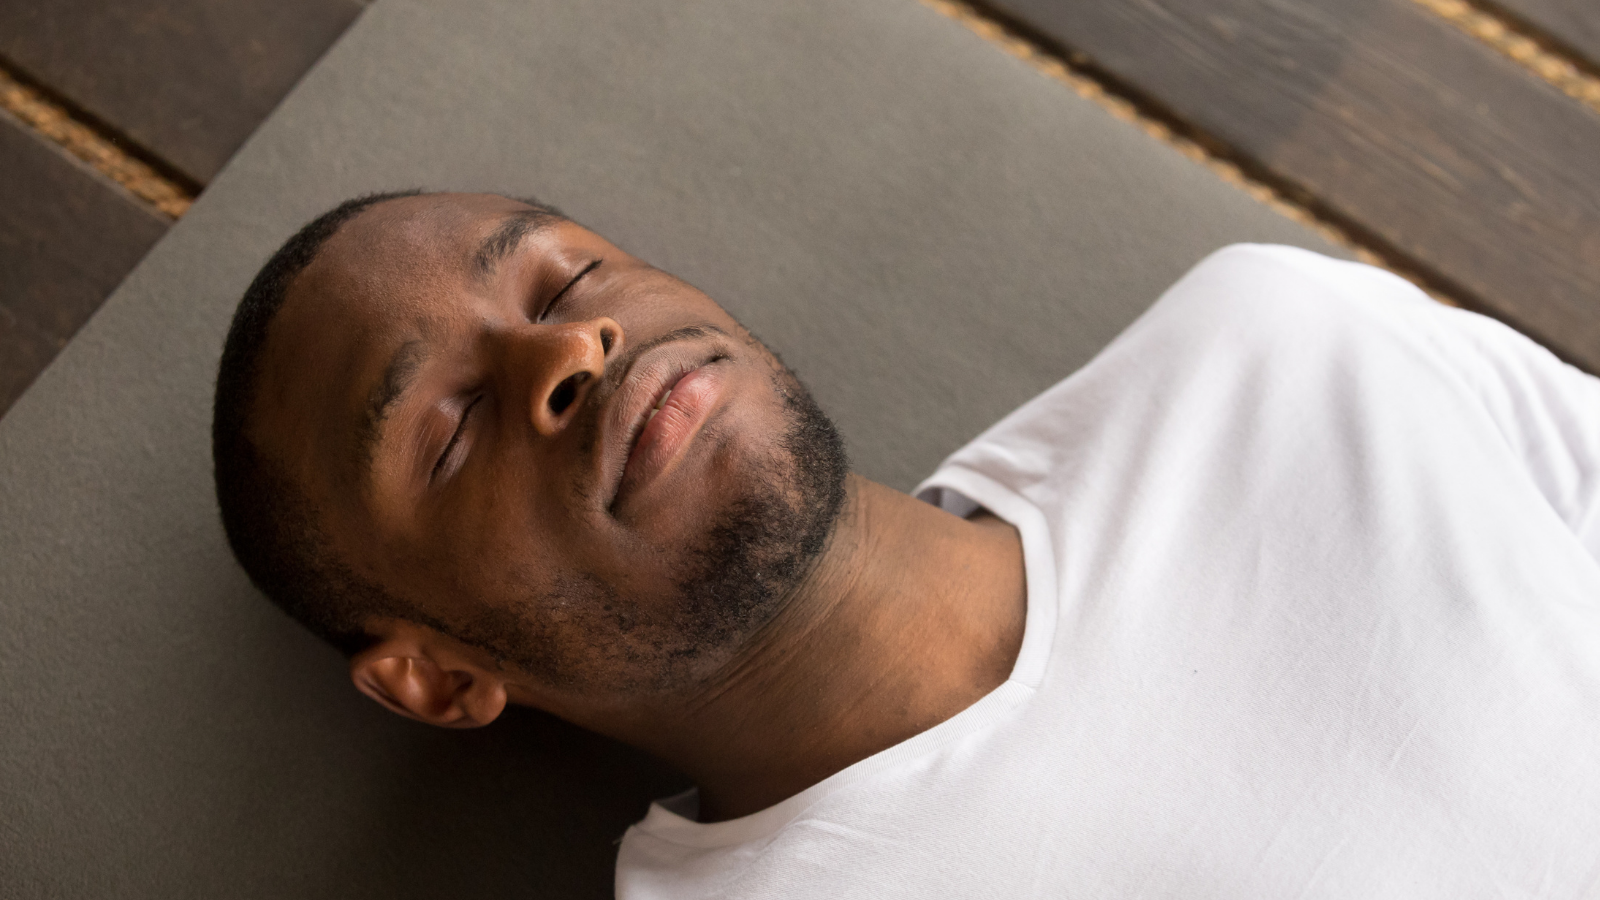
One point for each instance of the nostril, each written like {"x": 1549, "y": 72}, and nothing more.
{"x": 566, "y": 392}
{"x": 606, "y": 340}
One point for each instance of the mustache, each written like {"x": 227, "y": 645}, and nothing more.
{"x": 617, "y": 372}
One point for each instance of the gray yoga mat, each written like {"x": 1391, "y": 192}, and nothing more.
{"x": 928, "y": 229}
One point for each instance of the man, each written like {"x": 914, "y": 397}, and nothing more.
{"x": 1293, "y": 591}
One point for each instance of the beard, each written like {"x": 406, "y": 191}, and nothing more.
{"x": 766, "y": 543}
{"x": 582, "y": 635}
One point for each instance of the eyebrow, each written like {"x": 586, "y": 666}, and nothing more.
{"x": 504, "y": 239}
{"x": 397, "y": 378}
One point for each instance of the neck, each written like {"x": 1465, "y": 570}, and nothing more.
{"x": 910, "y": 616}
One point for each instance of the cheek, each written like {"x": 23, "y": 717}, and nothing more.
{"x": 478, "y": 549}
{"x": 523, "y": 541}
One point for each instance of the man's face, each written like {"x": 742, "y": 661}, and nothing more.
{"x": 547, "y": 448}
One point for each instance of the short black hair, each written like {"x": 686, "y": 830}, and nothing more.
{"x": 270, "y": 522}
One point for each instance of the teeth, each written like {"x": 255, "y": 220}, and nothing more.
{"x": 657, "y": 408}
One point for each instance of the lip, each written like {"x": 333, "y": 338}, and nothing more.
{"x": 642, "y": 446}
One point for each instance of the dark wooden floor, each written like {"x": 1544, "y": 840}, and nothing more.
{"x": 1460, "y": 151}
{"x": 1388, "y": 119}
{"x": 179, "y": 84}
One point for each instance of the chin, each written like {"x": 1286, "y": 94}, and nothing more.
{"x": 762, "y": 545}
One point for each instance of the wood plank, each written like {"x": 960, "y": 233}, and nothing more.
{"x": 67, "y": 237}
{"x": 1486, "y": 178}
{"x": 1571, "y": 25}
{"x": 187, "y": 80}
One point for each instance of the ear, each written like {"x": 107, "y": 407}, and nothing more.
{"x": 423, "y": 675}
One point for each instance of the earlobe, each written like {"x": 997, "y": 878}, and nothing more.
{"x": 421, "y": 685}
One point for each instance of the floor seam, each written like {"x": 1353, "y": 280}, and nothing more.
{"x": 56, "y": 124}
{"x": 1505, "y": 38}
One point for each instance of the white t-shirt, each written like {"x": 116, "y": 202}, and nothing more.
{"x": 1313, "y": 578}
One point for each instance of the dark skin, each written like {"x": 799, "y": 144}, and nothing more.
{"x": 471, "y": 437}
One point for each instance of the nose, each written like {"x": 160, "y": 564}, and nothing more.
{"x": 559, "y": 364}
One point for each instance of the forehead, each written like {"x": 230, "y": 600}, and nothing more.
{"x": 405, "y": 241}
{"x": 394, "y": 274}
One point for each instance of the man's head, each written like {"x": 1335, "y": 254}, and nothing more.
{"x": 466, "y": 419}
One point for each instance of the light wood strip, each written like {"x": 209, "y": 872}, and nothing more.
{"x": 1569, "y": 27}
{"x": 58, "y": 125}
{"x": 1505, "y": 39}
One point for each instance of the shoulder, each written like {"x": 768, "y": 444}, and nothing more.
{"x": 1248, "y": 321}
{"x": 1249, "y": 318}
{"x": 1261, "y": 290}
{"x": 1251, "y": 330}
{"x": 1254, "y": 308}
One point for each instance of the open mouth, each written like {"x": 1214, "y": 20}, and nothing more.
{"x": 653, "y": 410}
{"x": 664, "y": 423}
{"x": 639, "y": 429}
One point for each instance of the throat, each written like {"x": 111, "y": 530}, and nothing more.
{"x": 911, "y": 616}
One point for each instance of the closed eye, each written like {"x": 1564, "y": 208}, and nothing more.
{"x": 454, "y": 438}
{"x": 563, "y": 292}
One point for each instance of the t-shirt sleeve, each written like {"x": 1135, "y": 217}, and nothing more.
{"x": 1547, "y": 411}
